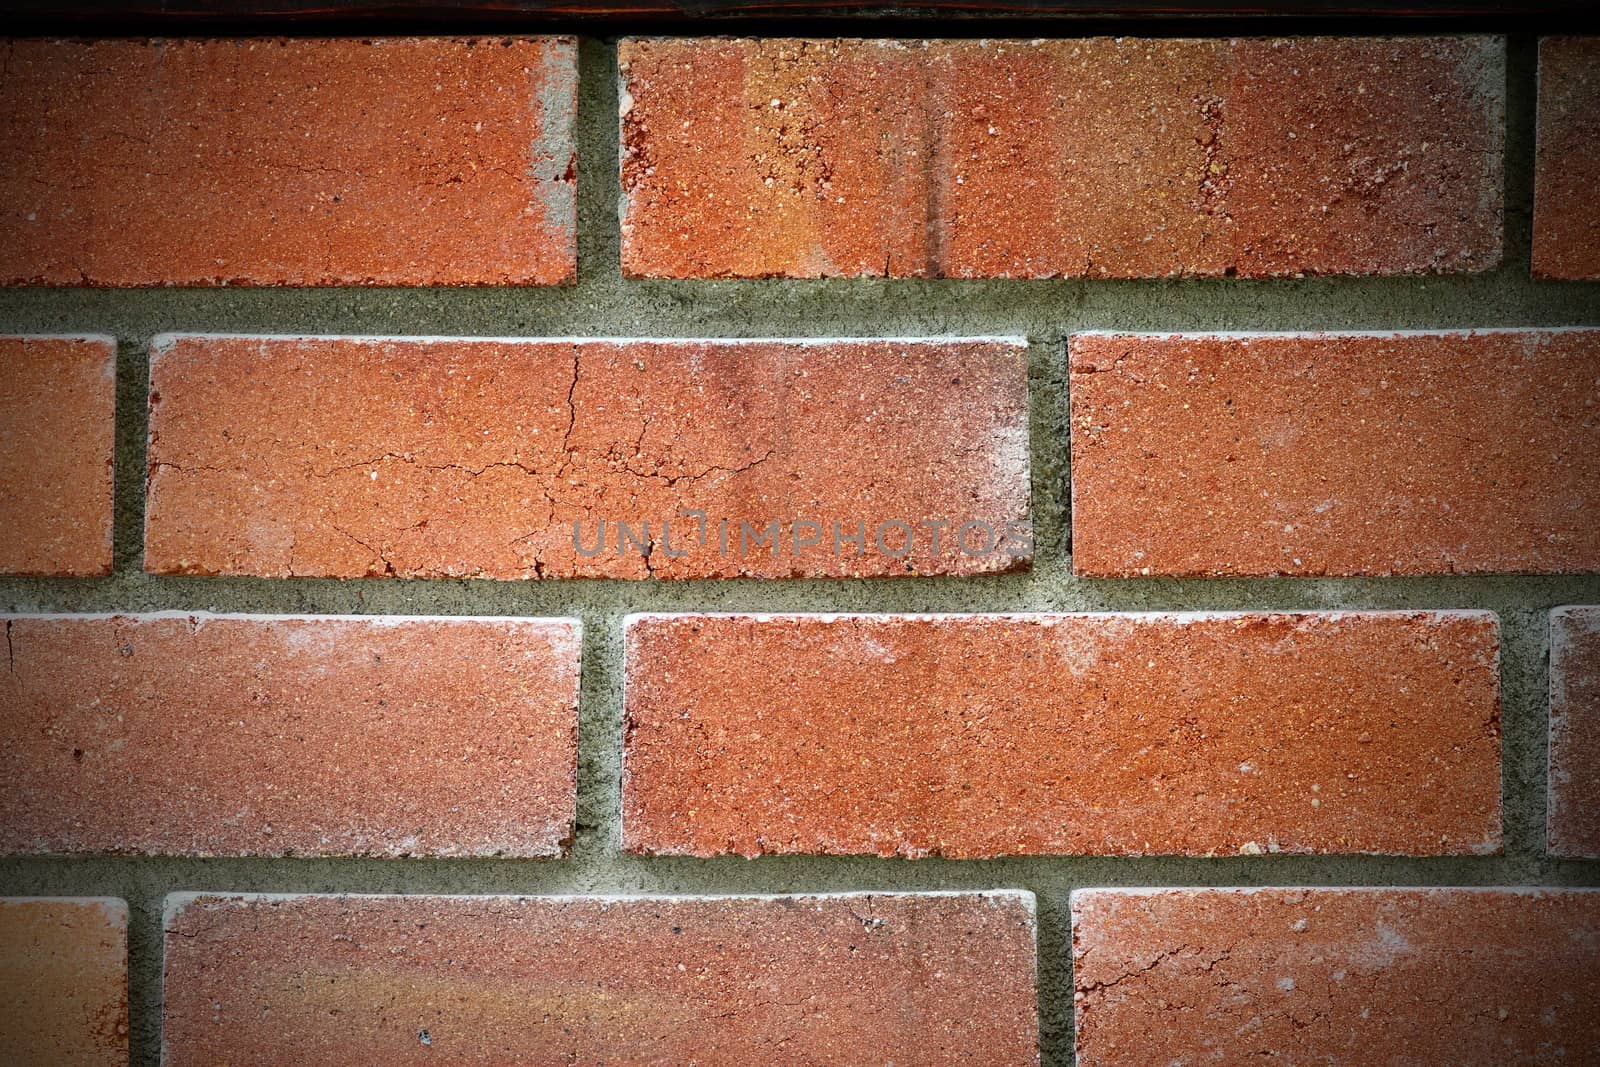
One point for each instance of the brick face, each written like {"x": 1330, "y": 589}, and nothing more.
{"x": 1335, "y": 454}
{"x": 926, "y": 979}
{"x": 990, "y": 735}
{"x": 1566, "y": 219}
{"x": 1099, "y": 157}
{"x": 760, "y": 390}
{"x": 255, "y": 736}
{"x": 64, "y": 982}
{"x": 350, "y": 457}
{"x": 1573, "y": 812}
{"x": 422, "y": 161}
{"x": 57, "y": 428}
{"x": 1373, "y": 976}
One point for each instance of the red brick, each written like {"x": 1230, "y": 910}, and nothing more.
{"x": 358, "y": 457}
{"x": 57, "y": 428}
{"x": 1566, "y": 217}
{"x": 926, "y": 979}
{"x": 422, "y": 161}
{"x": 1384, "y": 977}
{"x": 992, "y": 735}
{"x": 230, "y": 735}
{"x": 1573, "y": 812}
{"x": 1099, "y": 157}
{"x": 1336, "y": 454}
{"x": 64, "y": 982}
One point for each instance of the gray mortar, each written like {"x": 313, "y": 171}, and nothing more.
{"x": 603, "y": 304}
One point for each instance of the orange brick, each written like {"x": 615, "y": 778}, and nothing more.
{"x": 1335, "y": 454}
{"x": 57, "y": 430}
{"x": 928, "y": 979}
{"x": 1566, "y": 217}
{"x": 420, "y": 161}
{"x": 1573, "y": 812}
{"x": 64, "y": 982}
{"x": 231, "y": 735}
{"x": 993, "y": 735}
{"x": 1372, "y": 976}
{"x": 359, "y": 457}
{"x": 1098, "y": 157}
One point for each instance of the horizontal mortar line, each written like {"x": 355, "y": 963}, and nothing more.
{"x": 585, "y": 863}
{"x": 1518, "y": 289}
{"x": 155, "y": 878}
{"x": 1522, "y": 289}
{"x": 1511, "y": 285}
{"x": 704, "y": 596}
{"x": 856, "y": 312}
{"x": 729, "y": 869}
{"x": 896, "y": 331}
{"x": 864, "y": 336}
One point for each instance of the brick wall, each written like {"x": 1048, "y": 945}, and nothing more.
{"x": 768, "y": 550}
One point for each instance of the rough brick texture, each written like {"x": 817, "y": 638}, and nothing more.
{"x": 989, "y": 735}
{"x": 57, "y": 429}
{"x": 1336, "y": 454}
{"x": 1573, "y": 813}
{"x": 220, "y": 735}
{"x": 1098, "y": 157}
{"x": 64, "y": 982}
{"x": 929, "y": 979}
{"x": 501, "y": 459}
{"x": 426, "y": 161}
{"x": 1566, "y": 215}
{"x": 1382, "y": 977}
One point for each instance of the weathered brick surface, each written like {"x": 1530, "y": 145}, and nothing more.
{"x": 1335, "y": 454}
{"x": 57, "y": 427}
{"x": 352, "y": 457}
{"x": 64, "y": 982}
{"x": 904, "y": 978}
{"x": 423, "y": 161}
{"x": 202, "y": 735}
{"x": 1566, "y": 215}
{"x": 988, "y": 735}
{"x": 1573, "y": 813}
{"x": 1097, "y": 157}
{"x": 1384, "y": 977}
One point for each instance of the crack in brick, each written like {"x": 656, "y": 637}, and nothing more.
{"x": 1135, "y": 973}
{"x": 572, "y": 415}
{"x": 388, "y": 567}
